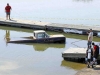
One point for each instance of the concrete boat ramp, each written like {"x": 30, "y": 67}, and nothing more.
{"x": 70, "y": 28}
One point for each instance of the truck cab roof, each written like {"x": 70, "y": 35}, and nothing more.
{"x": 40, "y": 34}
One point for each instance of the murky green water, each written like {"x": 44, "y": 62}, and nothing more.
{"x": 35, "y": 59}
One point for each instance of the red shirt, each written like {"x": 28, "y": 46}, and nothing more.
{"x": 8, "y": 8}
{"x": 95, "y": 47}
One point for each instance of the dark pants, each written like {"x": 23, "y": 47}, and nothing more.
{"x": 89, "y": 43}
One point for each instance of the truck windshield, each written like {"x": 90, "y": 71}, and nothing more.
{"x": 42, "y": 35}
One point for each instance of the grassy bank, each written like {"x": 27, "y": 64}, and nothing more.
{"x": 83, "y": 37}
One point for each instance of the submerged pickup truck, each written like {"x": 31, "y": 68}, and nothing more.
{"x": 40, "y": 36}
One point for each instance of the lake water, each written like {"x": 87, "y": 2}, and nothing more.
{"x": 44, "y": 59}
{"x": 35, "y": 59}
{"x": 84, "y": 12}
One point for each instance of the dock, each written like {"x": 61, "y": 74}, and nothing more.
{"x": 47, "y": 25}
{"x": 76, "y": 53}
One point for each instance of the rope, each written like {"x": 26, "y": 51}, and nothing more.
{"x": 73, "y": 43}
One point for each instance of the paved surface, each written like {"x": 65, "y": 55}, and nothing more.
{"x": 89, "y": 71}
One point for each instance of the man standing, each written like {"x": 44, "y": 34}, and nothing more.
{"x": 90, "y": 37}
{"x": 7, "y": 10}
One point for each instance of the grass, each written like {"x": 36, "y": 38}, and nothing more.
{"x": 83, "y": 37}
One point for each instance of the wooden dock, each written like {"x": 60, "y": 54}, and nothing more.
{"x": 46, "y": 25}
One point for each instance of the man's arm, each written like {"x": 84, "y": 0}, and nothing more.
{"x": 90, "y": 36}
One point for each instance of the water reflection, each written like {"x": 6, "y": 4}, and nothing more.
{"x": 43, "y": 47}
{"x": 73, "y": 65}
{"x": 7, "y": 36}
{"x": 83, "y": 0}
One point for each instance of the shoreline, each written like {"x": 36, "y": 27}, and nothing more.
{"x": 89, "y": 71}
